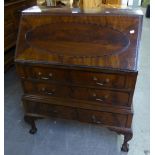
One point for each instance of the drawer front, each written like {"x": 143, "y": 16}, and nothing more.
{"x": 46, "y": 74}
{"x": 10, "y": 40}
{"x": 82, "y": 78}
{"x": 9, "y": 29}
{"x": 8, "y": 17}
{"x": 106, "y": 118}
{"x": 101, "y": 96}
{"x": 98, "y": 79}
{"x": 50, "y": 110}
{"x": 45, "y": 89}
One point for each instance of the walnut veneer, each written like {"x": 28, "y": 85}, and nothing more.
{"x": 80, "y": 66}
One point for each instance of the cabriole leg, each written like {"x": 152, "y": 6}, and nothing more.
{"x": 125, "y": 145}
{"x": 31, "y": 121}
{"x": 127, "y": 136}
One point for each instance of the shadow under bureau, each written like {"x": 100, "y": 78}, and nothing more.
{"x": 79, "y": 66}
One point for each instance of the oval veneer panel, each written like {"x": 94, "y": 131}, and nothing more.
{"x": 77, "y": 39}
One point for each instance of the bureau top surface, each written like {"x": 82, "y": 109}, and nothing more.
{"x": 108, "y": 38}
{"x": 104, "y": 10}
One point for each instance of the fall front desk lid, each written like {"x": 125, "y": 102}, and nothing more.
{"x": 61, "y": 37}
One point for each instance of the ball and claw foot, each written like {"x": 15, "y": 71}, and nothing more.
{"x": 33, "y": 131}
{"x": 31, "y": 121}
{"x": 127, "y": 137}
{"x": 125, "y": 147}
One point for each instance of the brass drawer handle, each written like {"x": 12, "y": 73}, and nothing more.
{"x": 98, "y": 83}
{"x": 99, "y": 99}
{"x": 107, "y": 80}
{"x": 45, "y": 78}
{"x": 50, "y": 74}
{"x": 95, "y": 78}
{"x": 39, "y": 73}
{"x": 55, "y": 111}
{"x": 95, "y": 120}
{"x": 47, "y": 92}
{"x": 52, "y": 111}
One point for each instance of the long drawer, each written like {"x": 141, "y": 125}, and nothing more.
{"x": 77, "y": 77}
{"x": 98, "y": 79}
{"x": 45, "y": 74}
{"x": 106, "y": 118}
{"x": 50, "y": 110}
{"x": 99, "y": 96}
{"x": 83, "y": 115}
{"x": 46, "y": 89}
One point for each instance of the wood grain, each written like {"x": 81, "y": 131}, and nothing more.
{"x": 79, "y": 66}
{"x": 97, "y": 51}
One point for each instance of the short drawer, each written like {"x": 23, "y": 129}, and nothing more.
{"x": 47, "y": 89}
{"x": 101, "y": 96}
{"x": 106, "y": 118}
{"x": 98, "y": 79}
{"x": 50, "y": 110}
{"x": 46, "y": 74}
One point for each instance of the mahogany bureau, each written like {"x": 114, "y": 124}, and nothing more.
{"x": 79, "y": 66}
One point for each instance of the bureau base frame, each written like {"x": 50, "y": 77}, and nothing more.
{"x": 128, "y": 134}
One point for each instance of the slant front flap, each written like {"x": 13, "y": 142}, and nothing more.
{"x": 77, "y": 39}
{"x": 86, "y": 40}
